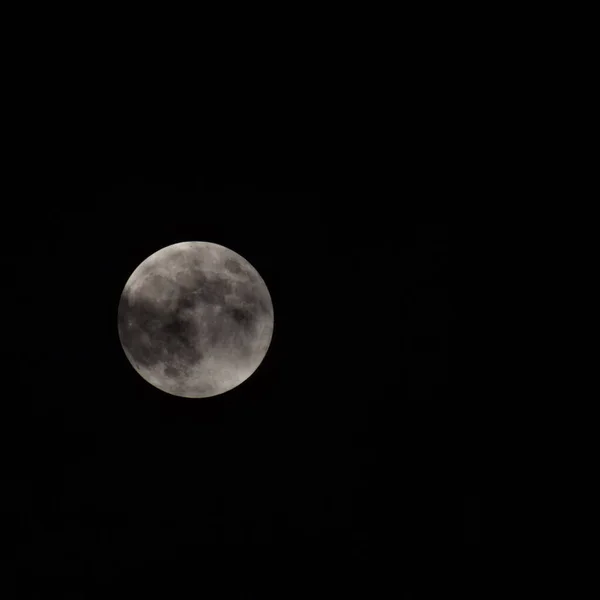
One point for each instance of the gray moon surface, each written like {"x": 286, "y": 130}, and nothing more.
{"x": 195, "y": 319}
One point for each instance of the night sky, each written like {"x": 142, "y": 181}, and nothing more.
{"x": 344, "y": 464}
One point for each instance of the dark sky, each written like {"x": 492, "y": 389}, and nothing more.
{"x": 344, "y": 460}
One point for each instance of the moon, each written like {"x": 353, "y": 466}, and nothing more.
{"x": 195, "y": 319}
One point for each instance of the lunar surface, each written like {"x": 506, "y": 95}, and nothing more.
{"x": 195, "y": 319}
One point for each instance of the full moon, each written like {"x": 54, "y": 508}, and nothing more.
{"x": 195, "y": 319}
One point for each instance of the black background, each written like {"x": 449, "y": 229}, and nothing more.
{"x": 345, "y": 462}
